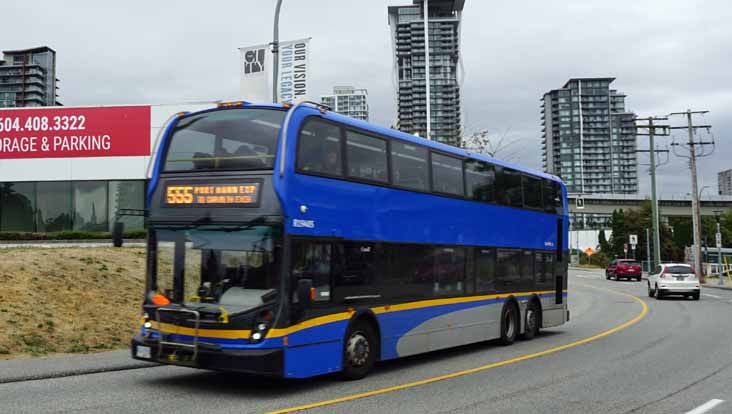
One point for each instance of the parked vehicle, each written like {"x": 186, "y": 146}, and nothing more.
{"x": 624, "y": 269}
{"x": 673, "y": 279}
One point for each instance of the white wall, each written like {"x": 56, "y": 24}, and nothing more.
{"x": 95, "y": 168}
{"x": 586, "y": 238}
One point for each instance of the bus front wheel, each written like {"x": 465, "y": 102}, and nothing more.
{"x": 509, "y": 324}
{"x": 359, "y": 351}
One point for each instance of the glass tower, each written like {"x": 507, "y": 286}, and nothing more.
{"x": 588, "y": 138}
{"x": 408, "y": 41}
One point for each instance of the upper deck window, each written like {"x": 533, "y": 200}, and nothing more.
{"x": 319, "y": 148}
{"x": 409, "y": 166}
{"x": 532, "y": 192}
{"x": 230, "y": 139}
{"x": 509, "y": 191}
{"x": 447, "y": 174}
{"x": 366, "y": 157}
{"x": 480, "y": 178}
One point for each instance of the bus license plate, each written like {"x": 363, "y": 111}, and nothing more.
{"x": 143, "y": 352}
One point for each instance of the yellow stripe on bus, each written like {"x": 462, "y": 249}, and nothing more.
{"x": 336, "y": 317}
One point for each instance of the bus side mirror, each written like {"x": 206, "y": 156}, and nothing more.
{"x": 117, "y": 232}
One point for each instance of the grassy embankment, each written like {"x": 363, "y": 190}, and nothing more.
{"x": 69, "y": 300}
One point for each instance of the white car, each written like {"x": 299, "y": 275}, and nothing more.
{"x": 673, "y": 279}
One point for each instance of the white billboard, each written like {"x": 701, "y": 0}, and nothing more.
{"x": 292, "y": 76}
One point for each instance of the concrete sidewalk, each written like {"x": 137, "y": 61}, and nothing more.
{"x": 26, "y": 369}
{"x": 714, "y": 285}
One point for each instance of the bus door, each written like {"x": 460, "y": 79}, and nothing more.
{"x": 560, "y": 264}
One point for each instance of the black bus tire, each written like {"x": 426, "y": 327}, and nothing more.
{"x": 532, "y": 321}
{"x": 359, "y": 351}
{"x": 509, "y": 324}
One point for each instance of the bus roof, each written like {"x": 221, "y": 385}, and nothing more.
{"x": 345, "y": 120}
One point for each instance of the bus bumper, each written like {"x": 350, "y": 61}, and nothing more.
{"x": 268, "y": 362}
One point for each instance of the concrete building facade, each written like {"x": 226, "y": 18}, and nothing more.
{"x": 724, "y": 182}
{"x": 408, "y": 42}
{"x": 28, "y": 78}
{"x": 588, "y": 138}
{"x": 349, "y": 101}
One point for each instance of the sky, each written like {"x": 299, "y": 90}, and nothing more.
{"x": 667, "y": 56}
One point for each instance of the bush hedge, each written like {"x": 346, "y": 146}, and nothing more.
{"x": 69, "y": 235}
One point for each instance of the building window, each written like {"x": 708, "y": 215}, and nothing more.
{"x": 54, "y": 206}
{"x": 126, "y": 195}
{"x": 17, "y": 206}
{"x": 90, "y": 206}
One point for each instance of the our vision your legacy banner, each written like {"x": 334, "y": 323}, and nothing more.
{"x": 292, "y": 77}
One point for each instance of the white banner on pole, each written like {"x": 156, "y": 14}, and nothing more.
{"x": 256, "y": 72}
{"x": 293, "y": 74}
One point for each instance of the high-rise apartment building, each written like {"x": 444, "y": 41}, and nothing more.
{"x": 28, "y": 78}
{"x": 724, "y": 181}
{"x": 408, "y": 40}
{"x": 348, "y": 101}
{"x": 588, "y": 138}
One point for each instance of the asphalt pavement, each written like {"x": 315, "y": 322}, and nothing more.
{"x": 615, "y": 356}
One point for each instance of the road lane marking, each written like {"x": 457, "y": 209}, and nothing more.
{"x": 633, "y": 321}
{"x": 705, "y": 407}
{"x": 711, "y": 296}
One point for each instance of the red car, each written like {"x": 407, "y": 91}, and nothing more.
{"x": 624, "y": 269}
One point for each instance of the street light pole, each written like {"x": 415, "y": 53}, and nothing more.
{"x": 276, "y": 51}
{"x": 718, "y": 240}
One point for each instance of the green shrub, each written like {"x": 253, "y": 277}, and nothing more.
{"x": 68, "y": 235}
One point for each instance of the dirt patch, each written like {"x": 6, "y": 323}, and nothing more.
{"x": 69, "y": 300}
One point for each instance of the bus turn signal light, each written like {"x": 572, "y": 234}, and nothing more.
{"x": 159, "y": 299}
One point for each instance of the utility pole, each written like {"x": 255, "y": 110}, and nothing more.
{"x": 276, "y": 52}
{"x": 695, "y": 211}
{"x": 652, "y": 132}
{"x": 718, "y": 241}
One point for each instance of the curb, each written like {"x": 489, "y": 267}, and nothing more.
{"x": 725, "y": 287}
{"x": 74, "y": 373}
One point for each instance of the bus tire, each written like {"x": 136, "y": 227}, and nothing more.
{"x": 359, "y": 351}
{"x": 532, "y": 321}
{"x": 509, "y": 324}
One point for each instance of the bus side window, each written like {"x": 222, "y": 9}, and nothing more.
{"x": 312, "y": 260}
{"x": 508, "y": 272}
{"x": 319, "y": 148}
{"x": 485, "y": 270}
{"x": 449, "y": 271}
{"x": 527, "y": 269}
{"x": 410, "y": 272}
{"x": 358, "y": 270}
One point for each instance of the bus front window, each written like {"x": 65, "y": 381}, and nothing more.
{"x": 223, "y": 266}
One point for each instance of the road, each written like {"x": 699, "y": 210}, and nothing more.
{"x": 673, "y": 356}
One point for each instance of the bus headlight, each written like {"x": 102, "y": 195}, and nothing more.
{"x": 261, "y": 325}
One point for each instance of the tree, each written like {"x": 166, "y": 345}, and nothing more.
{"x": 604, "y": 244}
{"x": 481, "y": 142}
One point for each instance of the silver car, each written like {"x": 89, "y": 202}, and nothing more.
{"x": 673, "y": 279}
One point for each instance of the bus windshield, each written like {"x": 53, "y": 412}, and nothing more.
{"x": 228, "y": 139}
{"x": 225, "y": 266}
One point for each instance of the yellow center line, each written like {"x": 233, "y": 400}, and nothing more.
{"x": 634, "y": 320}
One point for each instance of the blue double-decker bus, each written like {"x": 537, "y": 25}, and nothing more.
{"x": 294, "y": 241}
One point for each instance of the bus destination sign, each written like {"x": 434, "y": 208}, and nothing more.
{"x": 212, "y": 194}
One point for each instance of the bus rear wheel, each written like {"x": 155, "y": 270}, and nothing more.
{"x": 359, "y": 351}
{"x": 509, "y": 324}
{"x": 531, "y": 322}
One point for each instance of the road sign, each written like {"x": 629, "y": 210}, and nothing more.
{"x": 579, "y": 203}
{"x": 718, "y": 240}
{"x": 633, "y": 239}
{"x": 589, "y": 251}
